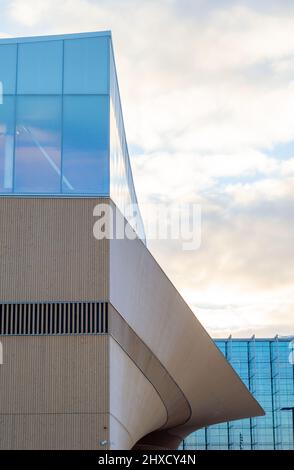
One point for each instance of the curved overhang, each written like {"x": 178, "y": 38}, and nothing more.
{"x": 159, "y": 332}
{"x": 148, "y": 378}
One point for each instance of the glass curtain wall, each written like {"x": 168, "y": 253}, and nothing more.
{"x": 266, "y": 368}
{"x": 54, "y": 115}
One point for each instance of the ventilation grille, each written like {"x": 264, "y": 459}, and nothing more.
{"x": 53, "y": 318}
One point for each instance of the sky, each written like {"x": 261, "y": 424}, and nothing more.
{"x": 207, "y": 90}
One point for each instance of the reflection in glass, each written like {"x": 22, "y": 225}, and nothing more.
{"x": 8, "y": 68}
{"x": 85, "y": 144}
{"x": 40, "y": 68}
{"x": 86, "y": 66}
{"x": 122, "y": 189}
{"x": 264, "y": 367}
{"x": 38, "y": 144}
{"x": 6, "y": 144}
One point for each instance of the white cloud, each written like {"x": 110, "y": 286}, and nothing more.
{"x": 29, "y": 13}
{"x": 266, "y": 189}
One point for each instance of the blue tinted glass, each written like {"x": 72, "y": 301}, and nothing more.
{"x": 6, "y": 143}
{"x": 271, "y": 382}
{"x": 86, "y": 65}
{"x": 85, "y": 144}
{"x": 38, "y": 142}
{"x": 8, "y": 67}
{"x": 122, "y": 188}
{"x": 40, "y": 68}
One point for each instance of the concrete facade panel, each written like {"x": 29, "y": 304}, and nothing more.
{"x": 133, "y": 400}
{"x": 48, "y": 251}
{"x": 54, "y": 392}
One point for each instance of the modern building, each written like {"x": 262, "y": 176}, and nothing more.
{"x": 266, "y": 366}
{"x": 99, "y": 349}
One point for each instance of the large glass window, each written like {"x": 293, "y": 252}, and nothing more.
{"x": 38, "y": 144}
{"x": 55, "y": 127}
{"x": 85, "y": 144}
{"x": 86, "y": 66}
{"x": 40, "y": 68}
{"x": 8, "y": 68}
{"x": 6, "y": 143}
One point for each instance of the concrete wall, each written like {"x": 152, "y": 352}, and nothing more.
{"x": 53, "y": 389}
{"x": 136, "y": 407}
{"x": 54, "y": 392}
{"x": 48, "y": 251}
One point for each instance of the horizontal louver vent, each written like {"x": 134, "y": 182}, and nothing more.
{"x": 53, "y": 318}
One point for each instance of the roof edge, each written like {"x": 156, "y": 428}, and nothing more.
{"x": 54, "y": 37}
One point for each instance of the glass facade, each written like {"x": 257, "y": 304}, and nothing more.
{"x": 266, "y": 367}
{"x": 61, "y": 125}
{"x": 122, "y": 189}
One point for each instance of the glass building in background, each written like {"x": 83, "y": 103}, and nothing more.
{"x": 266, "y": 367}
